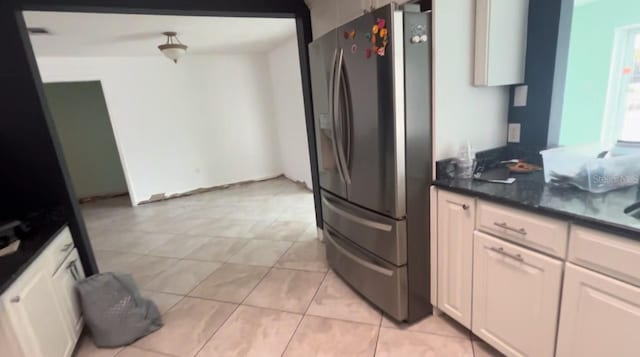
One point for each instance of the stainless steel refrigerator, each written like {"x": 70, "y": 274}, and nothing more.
{"x": 371, "y": 87}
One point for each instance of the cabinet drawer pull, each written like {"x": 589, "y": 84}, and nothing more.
{"x": 66, "y": 247}
{"x": 15, "y": 299}
{"x": 74, "y": 270}
{"x": 463, "y": 205}
{"x": 509, "y": 228}
{"x": 500, "y": 250}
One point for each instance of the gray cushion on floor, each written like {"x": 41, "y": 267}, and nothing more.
{"x": 114, "y": 311}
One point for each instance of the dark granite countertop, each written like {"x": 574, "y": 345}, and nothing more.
{"x": 32, "y": 243}
{"x": 600, "y": 211}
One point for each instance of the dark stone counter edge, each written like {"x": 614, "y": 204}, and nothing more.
{"x": 607, "y": 227}
{"x": 4, "y": 285}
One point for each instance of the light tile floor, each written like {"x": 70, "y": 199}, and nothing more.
{"x": 240, "y": 272}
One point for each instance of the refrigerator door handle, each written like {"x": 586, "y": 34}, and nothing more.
{"x": 337, "y": 85}
{"x": 364, "y": 263}
{"x": 359, "y": 220}
{"x": 348, "y": 124}
{"x": 332, "y": 105}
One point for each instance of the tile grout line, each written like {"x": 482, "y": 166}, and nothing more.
{"x": 231, "y": 314}
{"x": 286, "y": 347}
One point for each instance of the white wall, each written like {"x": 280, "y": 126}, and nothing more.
{"x": 204, "y": 122}
{"x": 461, "y": 111}
{"x": 288, "y": 110}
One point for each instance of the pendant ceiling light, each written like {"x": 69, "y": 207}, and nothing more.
{"x": 173, "y": 48}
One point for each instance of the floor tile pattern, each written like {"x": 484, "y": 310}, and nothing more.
{"x": 240, "y": 272}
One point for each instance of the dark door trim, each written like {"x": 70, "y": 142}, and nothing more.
{"x": 237, "y": 8}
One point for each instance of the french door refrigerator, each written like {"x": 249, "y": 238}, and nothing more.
{"x": 371, "y": 87}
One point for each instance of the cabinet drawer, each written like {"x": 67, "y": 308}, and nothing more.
{"x": 384, "y": 284}
{"x": 544, "y": 234}
{"x": 614, "y": 256}
{"x": 59, "y": 249}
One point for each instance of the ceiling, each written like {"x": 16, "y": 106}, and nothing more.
{"x": 92, "y": 34}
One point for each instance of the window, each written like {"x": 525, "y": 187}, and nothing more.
{"x": 622, "y": 120}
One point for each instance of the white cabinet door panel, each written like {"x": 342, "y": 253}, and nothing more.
{"x": 600, "y": 316}
{"x": 37, "y": 318}
{"x": 516, "y": 296}
{"x": 456, "y": 214}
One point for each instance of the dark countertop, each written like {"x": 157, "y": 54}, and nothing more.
{"x": 32, "y": 243}
{"x": 600, "y": 211}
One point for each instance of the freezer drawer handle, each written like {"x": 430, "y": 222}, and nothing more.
{"x": 356, "y": 219}
{"x": 500, "y": 250}
{"x": 509, "y": 228}
{"x": 359, "y": 260}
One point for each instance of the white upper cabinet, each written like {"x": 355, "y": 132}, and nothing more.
{"x": 501, "y": 42}
{"x": 456, "y": 214}
{"x": 600, "y": 316}
{"x": 516, "y": 296}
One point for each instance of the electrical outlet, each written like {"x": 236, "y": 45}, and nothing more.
{"x": 514, "y": 133}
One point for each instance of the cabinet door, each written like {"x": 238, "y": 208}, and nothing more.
{"x": 456, "y": 215}
{"x": 8, "y": 340}
{"x": 64, "y": 282}
{"x": 600, "y": 316}
{"x": 36, "y": 316}
{"x": 516, "y": 294}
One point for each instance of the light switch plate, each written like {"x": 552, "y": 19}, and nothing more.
{"x": 520, "y": 96}
{"x": 514, "y": 133}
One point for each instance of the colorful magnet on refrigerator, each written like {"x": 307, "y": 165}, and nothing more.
{"x": 373, "y": 39}
{"x": 367, "y": 35}
{"x": 374, "y": 29}
{"x": 383, "y": 32}
{"x": 368, "y": 53}
{"x": 354, "y": 48}
{"x": 345, "y": 35}
{"x": 381, "y": 23}
{"x": 352, "y": 34}
{"x": 380, "y": 51}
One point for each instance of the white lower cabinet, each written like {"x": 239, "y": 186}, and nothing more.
{"x": 516, "y": 296}
{"x": 600, "y": 316}
{"x": 39, "y": 312}
{"x": 456, "y": 215}
{"x": 36, "y": 319}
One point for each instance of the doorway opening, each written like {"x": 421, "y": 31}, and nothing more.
{"x": 214, "y": 149}
{"x": 81, "y": 117}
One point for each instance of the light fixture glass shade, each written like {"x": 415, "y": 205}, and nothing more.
{"x": 173, "y": 51}
{"x": 173, "y": 48}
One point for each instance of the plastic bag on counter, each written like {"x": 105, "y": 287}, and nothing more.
{"x": 584, "y": 168}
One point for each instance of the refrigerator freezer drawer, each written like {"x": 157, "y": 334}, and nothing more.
{"x": 384, "y": 284}
{"x": 381, "y": 235}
